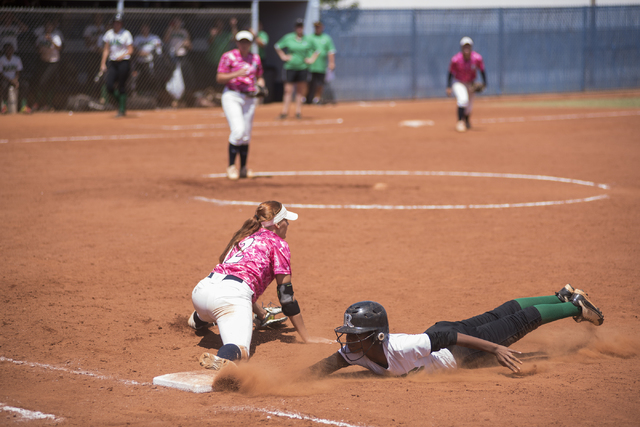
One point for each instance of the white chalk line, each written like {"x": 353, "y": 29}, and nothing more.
{"x": 561, "y": 117}
{"x": 418, "y": 207}
{"x": 133, "y": 137}
{"x": 40, "y": 415}
{"x": 255, "y": 124}
{"x": 30, "y": 415}
{"x": 71, "y": 371}
{"x": 292, "y": 415}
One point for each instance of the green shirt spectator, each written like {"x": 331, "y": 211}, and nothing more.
{"x": 298, "y": 48}
{"x": 325, "y": 47}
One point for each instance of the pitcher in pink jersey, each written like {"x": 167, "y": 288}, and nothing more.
{"x": 239, "y": 70}
{"x": 463, "y": 68}
{"x": 255, "y": 256}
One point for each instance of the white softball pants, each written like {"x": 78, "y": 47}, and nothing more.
{"x": 464, "y": 96}
{"x": 229, "y": 304}
{"x": 239, "y": 109}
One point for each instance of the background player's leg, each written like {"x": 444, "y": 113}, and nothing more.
{"x": 462, "y": 100}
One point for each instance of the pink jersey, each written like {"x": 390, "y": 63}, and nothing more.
{"x": 465, "y": 71}
{"x": 261, "y": 256}
{"x": 233, "y": 61}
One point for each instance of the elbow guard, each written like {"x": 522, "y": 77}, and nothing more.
{"x": 442, "y": 339}
{"x": 289, "y": 305}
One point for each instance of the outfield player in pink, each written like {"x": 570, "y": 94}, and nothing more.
{"x": 463, "y": 68}
{"x": 256, "y": 255}
{"x": 239, "y": 70}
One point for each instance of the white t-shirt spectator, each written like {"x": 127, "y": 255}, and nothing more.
{"x": 49, "y": 47}
{"x": 9, "y": 67}
{"x": 147, "y": 46}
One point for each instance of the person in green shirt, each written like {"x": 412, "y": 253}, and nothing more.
{"x": 300, "y": 53}
{"x": 261, "y": 38}
{"x": 326, "y": 62}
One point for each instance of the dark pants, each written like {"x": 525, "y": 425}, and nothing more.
{"x": 118, "y": 72}
{"x": 503, "y": 325}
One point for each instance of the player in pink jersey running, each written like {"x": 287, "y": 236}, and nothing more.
{"x": 255, "y": 256}
{"x": 240, "y": 71}
{"x": 463, "y": 68}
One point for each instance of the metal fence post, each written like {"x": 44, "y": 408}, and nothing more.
{"x": 500, "y": 51}
{"x": 414, "y": 55}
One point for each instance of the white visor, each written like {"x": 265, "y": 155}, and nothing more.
{"x": 466, "y": 40}
{"x": 283, "y": 214}
{"x": 244, "y": 35}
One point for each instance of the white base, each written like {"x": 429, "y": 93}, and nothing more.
{"x": 194, "y": 381}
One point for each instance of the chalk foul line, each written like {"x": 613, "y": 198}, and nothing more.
{"x": 26, "y": 414}
{"x": 561, "y": 117}
{"x": 36, "y": 415}
{"x": 291, "y": 415}
{"x": 71, "y": 371}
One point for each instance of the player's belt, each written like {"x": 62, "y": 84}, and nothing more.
{"x": 228, "y": 277}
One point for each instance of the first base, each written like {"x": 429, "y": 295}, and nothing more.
{"x": 194, "y": 381}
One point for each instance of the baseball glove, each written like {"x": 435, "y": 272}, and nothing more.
{"x": 478, "y": 87}
{"x": 260, "y": 92}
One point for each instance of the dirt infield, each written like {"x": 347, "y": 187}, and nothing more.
{"x": 104, "y": 235}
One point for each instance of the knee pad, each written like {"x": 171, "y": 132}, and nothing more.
{"x": 230, "y": 352}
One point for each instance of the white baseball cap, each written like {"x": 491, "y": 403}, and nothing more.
{"x": 466, "y": 40}
{"x": 244, "y": 35}
{"x": 283, "y": 214}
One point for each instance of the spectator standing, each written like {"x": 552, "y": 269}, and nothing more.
{"x": 92, "y": 36}
{"x": 10, "y": 67}
{"x": 300, "y": 52}
{"x": 220, "y": 41}
{"x": 261, "y": 39}
{"x": 118, "y": 48}
{"x": 178, "y": 41}
{"x": 147, "y": 46}
{"x": 49, "y": 45}
{"x": 326, "y": 62}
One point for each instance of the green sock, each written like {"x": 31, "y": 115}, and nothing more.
{"x": 123, "y": 102}
{"x": 528, "y": 302}
{"x": 552, "y": 312}
{"x": 103, "y": 92}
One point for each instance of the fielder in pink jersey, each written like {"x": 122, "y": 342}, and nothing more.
{"x": 255, "y": 256}
{"x": 463, "y": 68}
{"x": 240, "y": 71}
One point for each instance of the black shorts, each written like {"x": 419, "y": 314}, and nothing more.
{"x": 317, "y": 79}
{"x": 503, "y": 325}
{"x": 294, "y": 76}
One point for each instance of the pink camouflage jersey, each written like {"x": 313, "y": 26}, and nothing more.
{"x": 261, "y": 256}
{"x": 233, "y": 61}
{"x": 465, "y": 71}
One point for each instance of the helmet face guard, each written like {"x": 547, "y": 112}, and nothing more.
{"x": 366, "y": 318}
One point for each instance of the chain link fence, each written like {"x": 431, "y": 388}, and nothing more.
{"x": 396, "y": 54}
{"x": 69, "y": 80}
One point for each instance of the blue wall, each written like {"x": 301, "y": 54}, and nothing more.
{"x": 404, "y": 54}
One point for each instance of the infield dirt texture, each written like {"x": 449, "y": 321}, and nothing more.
{"x": 103, "y": 239}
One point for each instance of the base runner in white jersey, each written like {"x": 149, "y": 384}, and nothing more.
{"x": 256, "y": 255}
{"x": 469, "y": 343}
{"x": 118, "y": 48}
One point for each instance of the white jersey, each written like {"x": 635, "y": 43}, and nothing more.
{"x": 49, "y": 47}
{"x": 406, "y": 353}
{"x": 9, "y": 67}
{"x": 118, "y": 44}
{"x": 147, "y": 46}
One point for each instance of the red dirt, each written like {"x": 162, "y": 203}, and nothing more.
{"x": 102, "y": 242}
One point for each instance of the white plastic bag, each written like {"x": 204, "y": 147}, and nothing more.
{"x": 175, "y": 86}
{"x": 329, "y": 76}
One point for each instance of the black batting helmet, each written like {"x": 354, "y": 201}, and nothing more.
{"x": 363, "y": 317}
